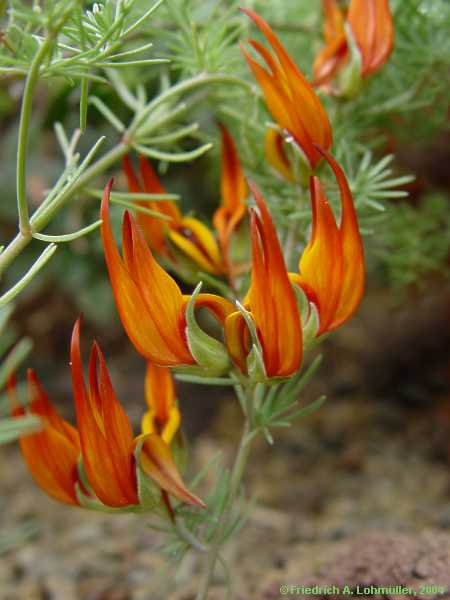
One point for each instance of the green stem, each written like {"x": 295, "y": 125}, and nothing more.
{"x": 24, "y": 126}
{"x": 237, "y": 473}
{"x": 41, "y": 218}
{"x": 188, "y": 537}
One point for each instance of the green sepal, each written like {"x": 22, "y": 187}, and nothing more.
{"x": 149, "y": 493}
{"x": 302, "y": 303}
{"x": 179, "y": 449}
{"x": 255, "y": 365}
{"x": 349, "y": 78}
{"x": 311, "y": 327}
{"x": 255, "y": 362}
{"x": 309, "y": 317}
{"x": 210, "y": 355}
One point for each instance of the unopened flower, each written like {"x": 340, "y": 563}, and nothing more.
{"x": 265, "y": 336}
{"x": 332, "y": 271}
{"x": 150, "y": 304}
{"x": 356, "y": 45}
{"x": 99, "y": 464}
{"x": 232, "y": 210}
{"x": 176, "y": 237}
{"x": 290, "y": 99}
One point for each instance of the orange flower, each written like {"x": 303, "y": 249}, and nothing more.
{"x": 369, "y": 24}
{"x": 271, "y": 303}
{"x": 105, "y": 431}
{"x": 188, "y": 235}
{"x": 331, "y": 267}
{"x": 104, "y": 442}
{"x": 290, "y": 98}
{"x": 149, "y": 301}
{"x": 163, "y": 416}
{"x": 51, "y": 454}
{"x": 233, "y": 191}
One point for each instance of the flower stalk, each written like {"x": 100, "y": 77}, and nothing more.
{"x": 237, "y": 474}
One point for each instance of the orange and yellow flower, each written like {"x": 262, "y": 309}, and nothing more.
{"x": 163, "y": 416}
{"x": 149, "y": 301}
{"x": 371, "y": 28}
{"x": 103, "y": 442}
{"x": 271, "y": 304}
{"x": 290, "y": 99}
{"x": 188, "y": 235}
{"x": 332, "y": 271}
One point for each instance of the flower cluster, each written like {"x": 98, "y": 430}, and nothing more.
{"x": 100, "y": 464}
{"x": 263, "y": 332}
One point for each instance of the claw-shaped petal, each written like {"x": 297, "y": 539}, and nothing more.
{"x": 105, "y": 431}
{"x": 331, "y": 267}
{"x": 290, "y": 98}
{"x": 158, "y": 464}
{"x": 372, "y": 28}
{"x": 51, "y": 454}
{"x": 148, "y": 300}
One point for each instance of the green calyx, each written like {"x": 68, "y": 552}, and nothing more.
{"x": 349, "y": 78}
{"x": 210, "y": 355}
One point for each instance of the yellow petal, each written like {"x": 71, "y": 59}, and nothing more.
{"x": 275, "y": 154}
{"x": 195, "y": 240}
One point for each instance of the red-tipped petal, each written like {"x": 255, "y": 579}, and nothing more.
{"x": 133, "y": 297}
{"x": 133, "y": 183}
{"x": 321, "y": 263}
{"x": 352, "y": 249}
{"x": 162, "y": 298}
{"x": 372, "y": 27}
{"x": 272, "y": 299}
{"x": 51, "y": 454}
{"x": 308, "y": 120}
{"x": 105, "y": 433}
